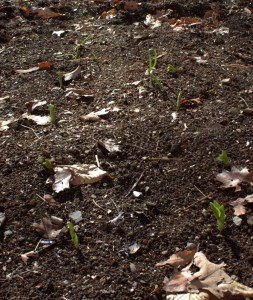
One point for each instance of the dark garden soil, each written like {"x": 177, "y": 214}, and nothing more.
{"x": 171, "y": 153}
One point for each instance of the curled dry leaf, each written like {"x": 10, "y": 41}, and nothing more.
{"x": 31, "y": 105}
{"x": 39, "y": 120}
{"x": 75, "y": 175}
{"x": 96, "y": 116}
{"x": 179, "y": 281}
{"x": 47, "y": 229}
{"x": 42, "y": 12}
{"x": 72, "y": 75}
{"x": 183, "y": 23}
{"x": 77, "y": 93}
{"x": 109, "y": 14}
{"x": 26, "y": 256}
{"x": 110, "y": 145}
{"x": 239, "y": 204}
{"x": 32, "y": 69}
{"x": 4, "y": 125}
{"x": 233, "y": 178}
{"x": 180, "y": 258}
{"x": 210, "y": 282}
{"x": 152, "y": 22}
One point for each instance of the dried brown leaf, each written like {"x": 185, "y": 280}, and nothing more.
{"x": 31, "y": 105}
{"x": 179, "y": 281}
{"x": 233, "y": 178}
{"x": 75, "y": 175}
{"x": 26, "y": 256}
{"x": 181, "y": 258}
{"x": 47, "y": 229}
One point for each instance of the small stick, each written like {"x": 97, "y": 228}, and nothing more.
{"x": 98, "y": 163}
{"x": 99, "y": 206}
{"x": 138, "y": 180}
{"x": 32, "y": 130}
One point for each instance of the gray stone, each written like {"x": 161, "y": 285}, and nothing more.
{"x": 76, "y": 216}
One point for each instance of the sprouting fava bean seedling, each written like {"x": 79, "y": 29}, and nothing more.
{"x": 223, "y": 157}
{"x": 171, "y": 69}
{"x": 75, "y": 55}
{"x": 47, "y": 164}
{"x": 60, "y": 79}
{"x": 179, "y": 99}
{"x": 152, "y": 61}
{"x": 73, "y": 234}
{"x": 219, "y": 213}
{"x": 52, "y": 116}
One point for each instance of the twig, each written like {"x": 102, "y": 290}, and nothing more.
{"x": 138, "y": 180}
{"x": 197, "y": 201}
{"x": 99, "y": 206}
{"x": 98, "y": 163}
{"x": 32, "y": 130}
{"x": 199, "y": 190}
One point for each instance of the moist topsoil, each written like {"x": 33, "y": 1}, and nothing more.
{"x": 168, "y": 149}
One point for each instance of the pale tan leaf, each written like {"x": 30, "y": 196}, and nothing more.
{"x": 32, "y": 69}
{"x": 233, "y": 178}
{"x": 26, "y": 256}
{"x": 31, "y": 105}
{"x": 39, "y": 120}
{"x": 178, "y": 282}
{"x": 72, "y": 75}
{"x": 47, "y": 229}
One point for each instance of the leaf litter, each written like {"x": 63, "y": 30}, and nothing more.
{"x": 209, "y": 282}
{"x": 233, "y": 178}
{"x": 75, "y": 175}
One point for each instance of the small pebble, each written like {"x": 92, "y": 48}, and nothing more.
{"x": 8, "y": 233}
{"x": 250, "y": 220}
{"x": 237, "y": 221}
{"x": 76, "y": 216}
{"x": 132, "y": 267}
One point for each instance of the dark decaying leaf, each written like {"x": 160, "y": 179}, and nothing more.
{"x": 47, "y": 229}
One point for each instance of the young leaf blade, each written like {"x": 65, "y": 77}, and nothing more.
{"x": 223, "y": 157}
{"x": 73, "y": 234}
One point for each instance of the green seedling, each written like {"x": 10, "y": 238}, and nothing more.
{"x": 94, "y": 56}
{"x": 219, "y": 213}
{"x": 171, "y": 69}
{"x": 152, "y": 61}
{"x": 179, "y": 99}
{"x": 223, "y": 157}
{"x": 60, "y": 79}
{"x": 51, "y": 108}
{"x": 76, "y": 54}
{"x": 73, "y": 234}
{"x": 47, "y": 164}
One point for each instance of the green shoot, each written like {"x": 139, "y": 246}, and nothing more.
{"x": 223, "y": 157}
{"x": 171, "y": 69}
{"x": 152, "y": 61}
{"x": 60, "y": 79}
{"x": 47, "y": 163}
{"x": 76, "y": 55}
{"x": 179, "y": 98}
{"x": 94, "y": 56}
{"x": 219, "y": 213}
{"x": 52, "y": 113}
{"x": 73, "y": 234}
